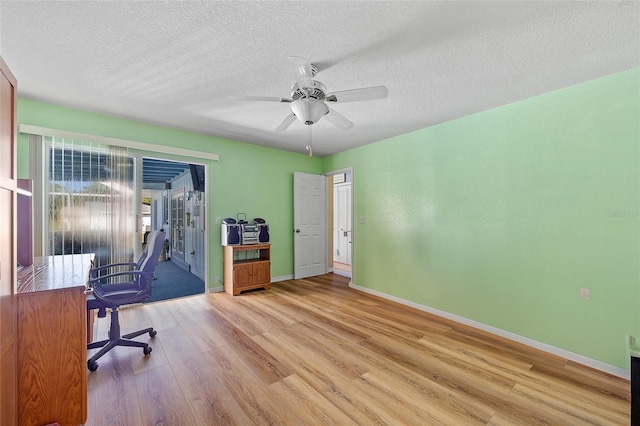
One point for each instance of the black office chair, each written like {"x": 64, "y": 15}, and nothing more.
{"x": 109, "y": 292}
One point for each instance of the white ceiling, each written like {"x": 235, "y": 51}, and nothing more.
{"x": 176, "y": 63}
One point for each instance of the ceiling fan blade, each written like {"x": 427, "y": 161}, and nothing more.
{"x": 353, "y": 95}
{"x": 286, "y": 122}
{"x": 259, "y": 98}
{"x": 338, "y": 120}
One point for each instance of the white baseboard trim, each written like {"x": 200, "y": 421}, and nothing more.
{"x": 216, "y": 289}
{"x": 281, "y": 278}
{"x": 589, "y": 362}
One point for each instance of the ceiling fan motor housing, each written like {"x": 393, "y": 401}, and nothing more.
{"x": 308, "y": 89}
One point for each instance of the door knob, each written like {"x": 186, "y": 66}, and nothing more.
{"x": 297, "y": 231}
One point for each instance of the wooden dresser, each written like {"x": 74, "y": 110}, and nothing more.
{"x": 52, "y": 340}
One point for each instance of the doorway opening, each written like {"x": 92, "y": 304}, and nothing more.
{"x": 175, "y": 194}
{"x": 341, "y": 219}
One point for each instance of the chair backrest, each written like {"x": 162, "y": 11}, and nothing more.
{"x": 142, "y": 258}
{"x": 149, "y": 259}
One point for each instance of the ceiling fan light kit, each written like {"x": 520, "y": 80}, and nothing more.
{"x": 309, "y": 110}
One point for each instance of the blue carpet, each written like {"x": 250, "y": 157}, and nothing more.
{"x": 173, "y": 281}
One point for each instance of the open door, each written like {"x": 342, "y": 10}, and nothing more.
{"x": 310, "y": 228}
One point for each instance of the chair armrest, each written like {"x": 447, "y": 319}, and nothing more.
{"x": 114, "y": 264}
{"x": 93, "y": 272}
{"x": 97, "y": 282}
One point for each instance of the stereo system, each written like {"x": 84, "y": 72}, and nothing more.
{"x": 249, "y": 234}
{"x": 237, "y": 232}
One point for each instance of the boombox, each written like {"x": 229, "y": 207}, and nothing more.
{"x": 240, "y": 232}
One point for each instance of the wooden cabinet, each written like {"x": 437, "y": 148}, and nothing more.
{"x": 8, "y": 220}
{"x": 247, "y": 267}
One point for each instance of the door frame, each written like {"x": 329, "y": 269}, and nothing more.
{"x": 351, "y": 170}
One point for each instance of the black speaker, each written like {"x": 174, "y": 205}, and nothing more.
{"x": 263, "y": 234}
{"x": 167, "y": 185}
{"x": 230, "y": 234}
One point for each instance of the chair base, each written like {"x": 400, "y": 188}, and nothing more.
{"x": 115, "y": 339}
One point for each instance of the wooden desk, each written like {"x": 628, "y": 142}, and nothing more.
{"x": 52, "y": 336}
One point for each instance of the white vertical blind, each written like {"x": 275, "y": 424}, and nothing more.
{"x": 90, "y": 197}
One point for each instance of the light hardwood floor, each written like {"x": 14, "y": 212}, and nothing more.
{"x": 314, "y": 351}
{"x": 341, "y": 266}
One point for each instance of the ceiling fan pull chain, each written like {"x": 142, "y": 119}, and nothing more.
{"x": 309, "y": 147}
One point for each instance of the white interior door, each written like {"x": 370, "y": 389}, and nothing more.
{"x": 342, "y": 223}
{"x": 309, "y": 221}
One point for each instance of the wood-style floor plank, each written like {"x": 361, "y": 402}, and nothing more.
{"x": 161, "y": 399}
{"x": 314, "y": 351}
{"x": 311, "y": 406}
{"x": 112, "y": 395}
{"x": 209, "y": 401}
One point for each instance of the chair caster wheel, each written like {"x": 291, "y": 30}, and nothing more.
{"x": 153, "y": 333}
{"x": 92, "y": 365}
{"x": 146, "y": 350}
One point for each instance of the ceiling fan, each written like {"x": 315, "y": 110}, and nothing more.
{"x": 309, "y": 99}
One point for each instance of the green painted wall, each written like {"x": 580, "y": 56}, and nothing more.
{"x": 248, "y": 178}
{"x": 503, "y": 216}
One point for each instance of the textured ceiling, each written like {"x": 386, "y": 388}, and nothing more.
{"x": 177, "y": 63}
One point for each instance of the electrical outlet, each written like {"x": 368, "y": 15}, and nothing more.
{"x": 363, "y": 220}
{"x": 631, "y": 340}
{"x": 217, "y": 221}
{"x": 217, "y": 278}
{"x": 584, "y": 293}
